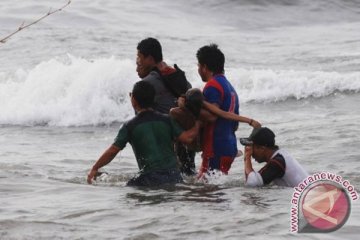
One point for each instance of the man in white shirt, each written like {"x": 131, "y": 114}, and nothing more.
{"x": 280, "y": 167}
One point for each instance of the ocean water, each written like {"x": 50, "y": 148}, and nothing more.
{"x": 64, "y": 87}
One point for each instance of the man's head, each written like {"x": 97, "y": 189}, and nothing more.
{"x": 142, "y": 95}
{"x": 210, "y": 61}
{"x": 262, "y": 141}
{"x": 149, "y": 53}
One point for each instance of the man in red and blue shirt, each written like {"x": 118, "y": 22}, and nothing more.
{"x": 219, "y": 141}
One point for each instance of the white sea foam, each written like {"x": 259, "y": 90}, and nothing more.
{"x": 75, "y": 91}
{"x": 272, "y": 86}
{"x": 72, "y": 92}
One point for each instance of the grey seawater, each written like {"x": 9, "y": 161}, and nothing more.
{"x": 44, "y": 194}
{"x": 43, "y": 189}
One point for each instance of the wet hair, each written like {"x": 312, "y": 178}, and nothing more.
{"x": 212, "y": 57}
{"x": 194, "y": 101}
{"x": 151, "y": 47}
{"x": 144, "y": 94}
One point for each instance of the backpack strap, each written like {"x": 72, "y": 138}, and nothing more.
{"x": 175, "y": 82}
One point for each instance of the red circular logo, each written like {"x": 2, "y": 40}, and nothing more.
{"x": 326, "y": 206}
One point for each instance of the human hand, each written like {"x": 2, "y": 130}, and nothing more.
{"x": 248, "y": 153}
{"x": 181, "y": 101}
{"x": 91, "y": 175}
{"x": 255, "y": 124}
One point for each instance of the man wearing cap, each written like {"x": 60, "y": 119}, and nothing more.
{"x": 280, "y": 167}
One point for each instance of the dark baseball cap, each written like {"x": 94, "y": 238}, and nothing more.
{"x": 260, "y": 136}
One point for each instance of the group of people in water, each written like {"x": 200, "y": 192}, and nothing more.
{"x": 174, "y": 121}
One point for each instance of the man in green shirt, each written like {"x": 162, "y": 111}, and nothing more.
{"x": 152, "y": 137}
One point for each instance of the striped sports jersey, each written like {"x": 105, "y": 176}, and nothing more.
{"x": 219, "y": 137}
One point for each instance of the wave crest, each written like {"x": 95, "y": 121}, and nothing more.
{"x": 69, "y": 92}
{"x": 273, "y": 86}
{"x": 77, "y": 92}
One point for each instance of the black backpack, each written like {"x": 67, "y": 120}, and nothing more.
{"x": 176, "y": 82}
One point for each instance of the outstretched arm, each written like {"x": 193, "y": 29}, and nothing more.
{"x": 207, "y": 116}
{"x": 105, "y": 158}
{"x": 229, "y": 115}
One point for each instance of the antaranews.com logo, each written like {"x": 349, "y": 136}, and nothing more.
{"x": 321, "y": 203}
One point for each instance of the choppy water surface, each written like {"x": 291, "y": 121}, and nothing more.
{"x": 64, "y": 87}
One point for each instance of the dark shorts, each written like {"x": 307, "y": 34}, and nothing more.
{"x": 156, "y": 178}
{"x": 186, "y": 158}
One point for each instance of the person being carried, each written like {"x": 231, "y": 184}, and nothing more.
{"x": 151, "y": 136}
{"x": 191, "y": 105}
{"x": 280, "y": 167}
{"x": 186, "y": 115}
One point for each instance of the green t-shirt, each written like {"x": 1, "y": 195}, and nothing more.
{"x": 151, "y": 136}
